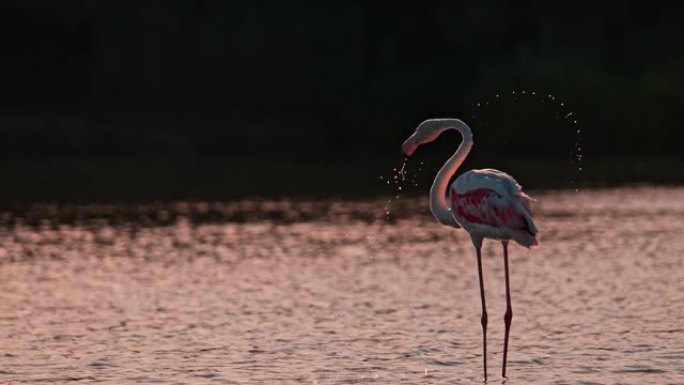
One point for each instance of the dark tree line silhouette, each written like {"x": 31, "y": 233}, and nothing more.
{"x": 308, "y": 80}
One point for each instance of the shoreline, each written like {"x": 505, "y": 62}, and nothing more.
{"x": 152, "y": 180}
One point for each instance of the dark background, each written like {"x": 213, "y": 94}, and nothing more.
{"x": 126, "y": 100}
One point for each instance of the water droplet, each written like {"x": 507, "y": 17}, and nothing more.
{"x": 478, "y": 104}
{"x": 575, "y": 122}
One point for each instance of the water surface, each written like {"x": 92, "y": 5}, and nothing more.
{"x": 327, "y": 292}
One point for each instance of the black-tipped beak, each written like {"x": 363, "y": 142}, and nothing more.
{"x": 408, "y": 147}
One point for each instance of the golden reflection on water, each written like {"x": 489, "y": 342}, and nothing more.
{"x": 330, "y": 292}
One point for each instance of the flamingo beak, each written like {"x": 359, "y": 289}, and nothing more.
{"x": 409, "y": 146}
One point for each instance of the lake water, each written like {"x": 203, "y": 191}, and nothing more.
{"x": 328, "y": 292}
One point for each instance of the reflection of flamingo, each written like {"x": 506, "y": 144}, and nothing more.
{"x": 487, "y": 203}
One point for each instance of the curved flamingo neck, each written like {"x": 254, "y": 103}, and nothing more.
{"x": 438, "y": 192}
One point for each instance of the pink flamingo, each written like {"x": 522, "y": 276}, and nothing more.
{"x": 486, "y": 203}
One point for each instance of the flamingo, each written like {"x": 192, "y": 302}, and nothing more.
{"x": 486, "y": 203}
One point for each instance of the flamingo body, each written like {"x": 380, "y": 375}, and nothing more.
{"x": 489, "y": 203}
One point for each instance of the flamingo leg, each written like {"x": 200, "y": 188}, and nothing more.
{"x": 509, "y": 311}
{"x": 484, "y": 311}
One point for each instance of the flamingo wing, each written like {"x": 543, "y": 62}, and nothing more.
{"x": 484, "y": 206}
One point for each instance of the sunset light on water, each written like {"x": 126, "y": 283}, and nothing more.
{"x": 329, "y": 292}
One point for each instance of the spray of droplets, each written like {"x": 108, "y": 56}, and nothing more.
{"x": 398, "y": 181}
{"x": 563, "y": 113}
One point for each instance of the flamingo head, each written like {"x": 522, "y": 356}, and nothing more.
{"x": 409, "y": 146}
{"x": 426, "y": 132}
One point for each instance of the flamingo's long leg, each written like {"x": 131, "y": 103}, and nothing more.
{"x": 484, "y": 311}
{"x": 509, "y": 311}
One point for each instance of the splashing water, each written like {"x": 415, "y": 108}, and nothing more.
{"x": 575, "y": 153}
{"x": 397, "y": 180}
{"x": 402, "y": 171}
{"x": 402, "y": 178}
